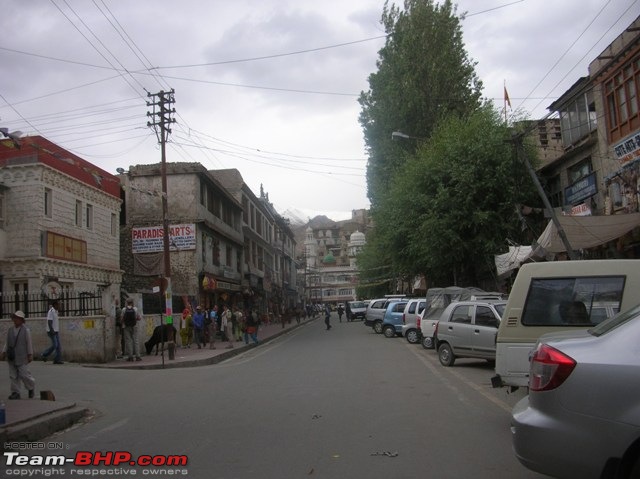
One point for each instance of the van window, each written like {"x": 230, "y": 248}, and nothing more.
{"x": 571, "y": 301}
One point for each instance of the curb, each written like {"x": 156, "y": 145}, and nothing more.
{"x": 42, "y": 425}
{"x": 189, "y": 363}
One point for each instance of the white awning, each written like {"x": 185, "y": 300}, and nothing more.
{"x": 507, "y": 262}
{"x": 587, "y": 231}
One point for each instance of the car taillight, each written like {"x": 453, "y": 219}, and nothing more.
{"x": 435, "y": 329}
{"x": 418, "y": 321}
{"x": 549, "y": 368}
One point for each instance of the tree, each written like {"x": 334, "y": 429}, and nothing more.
{"x": 452, "y": 207}
{"x": 424, "y": 73}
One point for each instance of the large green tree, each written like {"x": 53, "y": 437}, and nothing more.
{"x": 424, "y": 73}
{"x": 453, "y": 205}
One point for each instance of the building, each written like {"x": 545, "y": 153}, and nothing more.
{"x": 595, "y": 180}
{"x": 329, "y": 258}
{"x": 206, "y": 239}
{"x": 59, "y": 239}
{"x": 269, "y": 281}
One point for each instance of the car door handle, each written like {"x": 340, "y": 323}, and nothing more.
{"x": 450, "y": 328}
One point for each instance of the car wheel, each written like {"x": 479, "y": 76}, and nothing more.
{"x": 412, "y": 336}
{"x": 427, "y": 342}
{"x": 389, "y": 331}
{"x": 377, "y": 327}
{"x": 445, "y": 355}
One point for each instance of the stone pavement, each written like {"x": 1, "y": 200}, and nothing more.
{"x": 30, "y": 420}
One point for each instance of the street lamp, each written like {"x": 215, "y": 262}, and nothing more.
{"x": 399, "y": 134}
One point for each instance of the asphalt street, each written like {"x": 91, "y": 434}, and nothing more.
{"x": 345, "y": 403}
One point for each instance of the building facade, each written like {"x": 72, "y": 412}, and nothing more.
{"x": 206, "y": 240}
{"x": 59, "y": 239}
{"x": 59, "y": 225}
{"x": 269, "y": 274}
{"x": 329, "y": 259}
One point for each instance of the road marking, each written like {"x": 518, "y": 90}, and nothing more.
{"x": 439, "y": 373}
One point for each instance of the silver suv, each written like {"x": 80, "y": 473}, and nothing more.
{"x": 468, "y": 329}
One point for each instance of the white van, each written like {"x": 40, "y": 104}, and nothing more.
{"x": 556, "y": 296}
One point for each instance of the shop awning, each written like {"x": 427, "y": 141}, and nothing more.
{"x": 587, "y": 231}
{"x": 507, "y": 262}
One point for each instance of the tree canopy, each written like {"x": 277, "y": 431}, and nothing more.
{"x": 424, "y": 73}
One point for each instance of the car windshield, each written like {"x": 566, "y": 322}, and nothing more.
{"x": 357, "y": 304}
{"x": 610, "y": 324}
{"x": 500, "y": 308}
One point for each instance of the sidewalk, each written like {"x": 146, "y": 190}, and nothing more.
{"x": 31, "y": 420}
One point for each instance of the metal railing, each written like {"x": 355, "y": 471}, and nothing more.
{"x": 36, "y": 304}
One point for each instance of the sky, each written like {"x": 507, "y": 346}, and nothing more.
{"x": 269, "y": 87}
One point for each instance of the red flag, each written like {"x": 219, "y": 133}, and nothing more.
{"x": 507, "y": 101}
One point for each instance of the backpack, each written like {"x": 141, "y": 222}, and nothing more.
{"x": 129, "y": 317}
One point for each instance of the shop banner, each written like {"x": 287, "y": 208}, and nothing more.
{"x": 149, "y": 239}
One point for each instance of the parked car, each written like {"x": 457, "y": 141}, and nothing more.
{"x": 392, "y": 322}
{"x": 428, "y": 329}
{"x": 468, "y": 329}
{"x": 410, "y": 327}
{"x": 356, "y": 310}
{"x": 376, "y": 309}
{"x": 581, "y": 417}
{"x": 554, "y": 296}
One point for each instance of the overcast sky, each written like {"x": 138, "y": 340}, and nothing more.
{"x": 76, "y": 71}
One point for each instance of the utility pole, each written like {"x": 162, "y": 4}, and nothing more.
{"x": 518, "y": 143}
{"x": 162, "y": 120}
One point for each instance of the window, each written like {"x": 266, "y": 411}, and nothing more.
{"x": 485, "y": 317}
{"x": 621, "y": 99}
{"x": 1, "y": 210}
{"x": 554, "y": 191}
{"x": 89, "y": 217}
{"x": 461, "y": 314}
{"x": 78, "y": 213}
{"x": 554, "y": 301}
{"x": 579, "y": 171}
{"x": 578, "y": 119}
{"x": 229, "y": 252}
{"x": 48, "y": 202}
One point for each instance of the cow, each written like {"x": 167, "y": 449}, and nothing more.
{"x": 161, "y": 334}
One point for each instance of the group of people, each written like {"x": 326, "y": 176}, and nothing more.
{"x": 203, "y": 325}
{"x": 18, "y": 350}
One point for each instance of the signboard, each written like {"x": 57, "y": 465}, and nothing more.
{"x": 581, "y": 210}
{"x": 581, "y": 190}
{"x": 628, "y": 149}
{"x": 149, "y": 239}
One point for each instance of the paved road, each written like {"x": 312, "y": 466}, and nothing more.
{"x": 344, "y": 403}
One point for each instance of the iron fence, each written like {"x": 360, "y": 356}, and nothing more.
{"x": 34, "y": 305}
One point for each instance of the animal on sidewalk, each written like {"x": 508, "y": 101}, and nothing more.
{"x": 161, "y": 334}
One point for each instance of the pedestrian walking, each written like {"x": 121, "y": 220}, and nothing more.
{"x": 251, "y": 327}
{"x": 240, "y": 326}
{"x": 130, "y": 320}
{"x": 53, "y": 331}
{"x": 340, "y": 312}
{"x": 18, "y": 351}
{"x": 327, "y": 316}
{"x": 198, "y": 327}
{"x": 213, "y": 327}
{"x": 227, "y": 325}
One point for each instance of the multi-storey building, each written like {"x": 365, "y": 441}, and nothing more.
{"x": 59, "y": 239}
{"x": 58, "y": 225}
{"x": 597, "y": 174}
{"x": 269, "y": 281}
{"x": 206, "y": 240}
{"x": 328, "y": 261}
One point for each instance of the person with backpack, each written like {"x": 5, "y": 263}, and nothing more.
{"x": 130, "y": 318}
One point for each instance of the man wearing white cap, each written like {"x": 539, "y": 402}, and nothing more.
{"x": 18, "y": 351}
